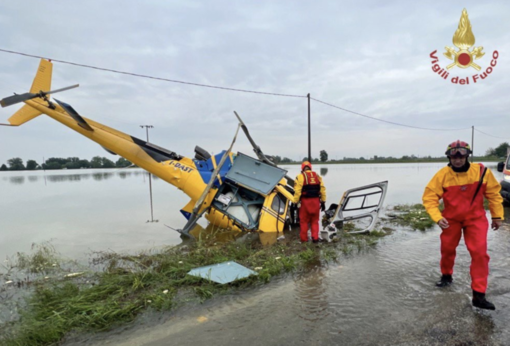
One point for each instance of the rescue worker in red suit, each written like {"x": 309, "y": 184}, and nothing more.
{"x": 310, "y": 190}
{"x": 462, "y": 186}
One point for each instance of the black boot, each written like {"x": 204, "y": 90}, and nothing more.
{"x": 446, "y": 280}
{"x": 479, "y": 301}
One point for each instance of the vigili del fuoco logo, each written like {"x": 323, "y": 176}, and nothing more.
{"x": 464, "y": 58}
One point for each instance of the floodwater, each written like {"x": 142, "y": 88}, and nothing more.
{"x": 382, "y": 296}
{"x": 81, "y": 211}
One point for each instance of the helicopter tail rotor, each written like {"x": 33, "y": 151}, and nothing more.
{"x": 41, "y": 88}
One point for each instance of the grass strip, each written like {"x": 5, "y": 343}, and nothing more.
{"x": 130, "y": 284}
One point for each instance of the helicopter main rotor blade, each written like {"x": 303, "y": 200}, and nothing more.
{"x": 257, "y": 149}
{"x": 11, "y": 100}
{"x": 61, "y": 89}
{"x": 196, "y": 215}
{"x": 191, "y": 223}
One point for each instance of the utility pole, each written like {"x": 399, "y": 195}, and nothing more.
{"x": 147, "y": 127}
{"x": 473, "y": 141}
{"x": 309, "y": 133}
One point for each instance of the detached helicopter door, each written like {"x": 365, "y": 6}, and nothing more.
{"x": 361, "y": 203}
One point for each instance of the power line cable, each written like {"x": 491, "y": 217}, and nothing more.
{"x": 233, "y": 89}
{"x": 386, "y": 121}
{"x": 152, "y": 77}
{"x": 490, "y": 135}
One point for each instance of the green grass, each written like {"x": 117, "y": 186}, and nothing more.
{"x": 126, "y": 285}
{"x": 413, "y": 216}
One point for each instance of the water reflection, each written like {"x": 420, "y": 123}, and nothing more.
{"x": 17, "y": 180}
{"x": 70, "y": 177}
{"x": 324, "y": 171}
{"x": 124, "y": 174}
{"x": 312, "y": 296}
{"x": 101, "y": 176}
{"x": 76, "y": 177}
{"x": 269, "y": 238}
{"x": 213, "y": 234}
{"x": 483, "y": 329}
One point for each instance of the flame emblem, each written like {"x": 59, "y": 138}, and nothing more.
{"x": 463, "y": 39}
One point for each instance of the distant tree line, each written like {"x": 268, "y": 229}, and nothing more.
{"x": 16, "y": 163}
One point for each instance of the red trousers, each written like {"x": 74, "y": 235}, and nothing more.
{"x": 475, "y": 237}
{"x": 309, "y": 214}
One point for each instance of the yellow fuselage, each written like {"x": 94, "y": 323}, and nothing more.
{"x": 181, "y": 173}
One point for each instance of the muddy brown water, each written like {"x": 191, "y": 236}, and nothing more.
{"x": 384, "y": 295}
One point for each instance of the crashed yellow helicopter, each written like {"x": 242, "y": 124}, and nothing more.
{"x": 234, "y": 191}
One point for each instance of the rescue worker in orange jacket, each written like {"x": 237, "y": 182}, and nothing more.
{"x": 310, "y": 190}
{"x": 462, "y": 186}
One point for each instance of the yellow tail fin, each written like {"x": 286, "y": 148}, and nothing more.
{"x": 42, "y": 82}
{"x": 25, "y": 114}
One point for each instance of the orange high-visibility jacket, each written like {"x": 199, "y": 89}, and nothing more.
{"x": 457, "y": 191}
{"x": 300, "y": 181}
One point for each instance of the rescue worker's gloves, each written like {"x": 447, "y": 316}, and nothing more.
{"x": 323, "y": 206}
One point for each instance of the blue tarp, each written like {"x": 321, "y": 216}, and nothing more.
{"x": 222, "y": 273}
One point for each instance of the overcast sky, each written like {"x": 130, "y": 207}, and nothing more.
{"x": 371, "y": 57}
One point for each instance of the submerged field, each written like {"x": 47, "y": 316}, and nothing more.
{"x": 63, "y": 296}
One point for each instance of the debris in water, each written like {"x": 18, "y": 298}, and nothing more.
{"x": 202, "y": 319}
{"x": 222, "y": 273}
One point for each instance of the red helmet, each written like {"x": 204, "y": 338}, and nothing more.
{"x": 458, "y": 148}
{"x": 306, "y": 164}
